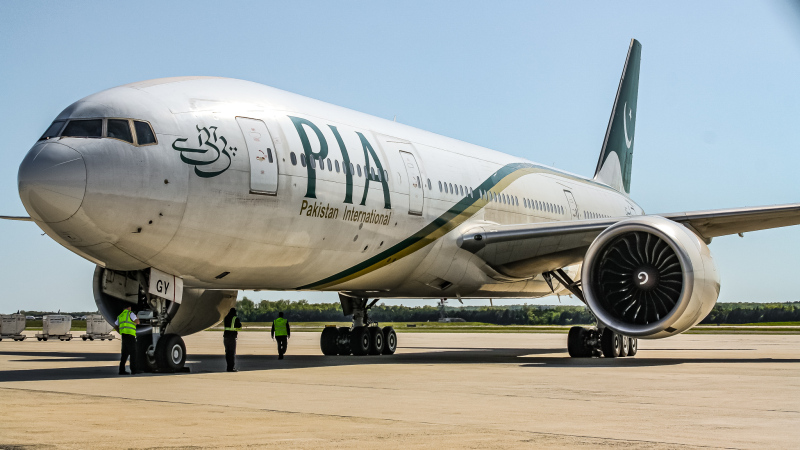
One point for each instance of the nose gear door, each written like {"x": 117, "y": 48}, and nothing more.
{"x": 263, "y": 157}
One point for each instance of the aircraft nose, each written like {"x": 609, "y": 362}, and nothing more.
{"x": 52, "y": 182}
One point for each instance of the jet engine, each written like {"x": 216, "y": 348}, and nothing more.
{"x": 199, "y": 309}
{"x": 649, "y": 277}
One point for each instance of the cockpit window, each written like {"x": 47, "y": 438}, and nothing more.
{"x": 119, "y": 129}
{"x": 52, "y": 130}
{"x": 91, "y": 128}
{"x": 144, "y": 134}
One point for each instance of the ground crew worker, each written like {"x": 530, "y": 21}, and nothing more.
{"x": 229, "y": 336}
{"x": 281, "y": 333}
{"x": 126, "y": 327}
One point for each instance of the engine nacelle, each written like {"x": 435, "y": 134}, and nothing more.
{"x": 649, "y": 277}
{"x": 199, "y": 309}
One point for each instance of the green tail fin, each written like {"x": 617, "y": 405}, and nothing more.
{"x": 614, "y": 165}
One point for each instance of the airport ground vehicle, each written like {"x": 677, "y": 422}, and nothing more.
{"x": 12, "y": 326}
{"x": 97, "y": 327}
{"x": 55, "y": 326}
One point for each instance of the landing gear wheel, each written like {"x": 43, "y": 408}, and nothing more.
{"x": 360, "y": 341}
{"x": 576, "y": 343}
{"x": 633, "y": 346}
{"x": 624, "y": 349}
{"x": 91, "y": 338}
{"x": 39, "y": 339}
{"x": 171, "y": 353}
{"x": 327, "y": 341}
{"x": 83, "y": 338}
{"x": 611, "y": 343}
{"x": 343, "y": 341}
{"x": 376, "y": 342}
{"x": 44, "y": 339}
{"x": 389, "y": 341}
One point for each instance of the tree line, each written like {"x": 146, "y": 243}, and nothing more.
{"x": 303, "y": 311}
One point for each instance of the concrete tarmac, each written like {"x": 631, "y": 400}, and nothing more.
{"x": 444, "y": 390}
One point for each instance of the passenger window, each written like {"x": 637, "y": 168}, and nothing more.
{"x": 336, "y": 163}
{"x": 440, "y": 186}
{"x": 52, "y": 130}
{"x": 372, "y": 172}
{"x": 269, "y": 155}
{"x": 293, "y": 158}
{"x": 144, "y": 134}
{"x": 358, "y": 167}
{"x": 92, "y": 128}
{"x": 303, "y": 159}
{"x": 429, "y": 184}
{"x": 386, "y": 175}
{"x": 313, "y": 162}
{"x": 330, "y": 166}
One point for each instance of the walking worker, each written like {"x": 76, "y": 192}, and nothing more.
{"x": 229, "y": 336}
{"x": 126, "y": 327}
{"x": 281, "y": 333}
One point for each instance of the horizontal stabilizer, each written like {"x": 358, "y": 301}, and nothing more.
{"x": 22, "y": 218}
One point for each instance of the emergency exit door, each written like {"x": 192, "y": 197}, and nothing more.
{"x": 416, "y": 197}
{"x": 573, "y": 206}
{"x": 263, "y": 158}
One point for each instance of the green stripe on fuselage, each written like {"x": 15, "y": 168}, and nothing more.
{"x": 455, "y": 216}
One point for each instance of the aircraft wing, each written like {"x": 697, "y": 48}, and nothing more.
{"x": 522, "y": 251}
{"x": 23, "y": 218}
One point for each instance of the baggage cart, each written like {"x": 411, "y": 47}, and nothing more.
{"x": 55, "y": 326}
{"x": 97, "y": 328}
{"x": 12, "y": 326}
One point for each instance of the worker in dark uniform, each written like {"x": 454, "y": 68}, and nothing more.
{"x": 126, "y": 327}
{"x": 229, "y": 336}
{"x": 281, "y": 333}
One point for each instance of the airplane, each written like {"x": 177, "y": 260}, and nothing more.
{"x": 183, "y": 191}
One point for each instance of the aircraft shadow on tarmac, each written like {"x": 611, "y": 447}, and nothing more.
{"x": 199, "y": 364}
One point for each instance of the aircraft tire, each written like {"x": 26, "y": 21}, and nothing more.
{"x": 576, "y": 343}
{"x": 624, "y": 347}
{"x": 376, "y": 341}
{"x": 633, "y": 346}
{"x": 611, "y": 343}
{"x": 389, "y": 341}
{"x": 360, "y": 341}
{"x": 327, "y": 341}
{"x": 171, "y": 353}
{"x": 343, "y": 341}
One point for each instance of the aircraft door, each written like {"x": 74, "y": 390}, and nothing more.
{"x": 263, "y": 157}
{"x": 573, "y": 206}
{"x": 416, "y": 196}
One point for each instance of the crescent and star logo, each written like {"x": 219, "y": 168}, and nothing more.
{"x": 628, "y": 142}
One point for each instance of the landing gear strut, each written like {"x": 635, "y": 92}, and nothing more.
{"x": 365, "y": 337}
{"x": 585, "y": 342}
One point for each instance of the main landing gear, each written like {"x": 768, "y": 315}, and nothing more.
{"x": 585, "y": 342}
{"x": 363, "y": 338}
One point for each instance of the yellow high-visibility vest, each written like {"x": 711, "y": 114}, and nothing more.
{"x": 232, "y": 325}
{"x": 280, "y": 326}
{"x": 126, "y": 325}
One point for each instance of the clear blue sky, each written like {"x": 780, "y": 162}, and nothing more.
{"x": 719, "y": 100}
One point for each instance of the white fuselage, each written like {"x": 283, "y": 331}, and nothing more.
{"x": 212, "y": 217}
